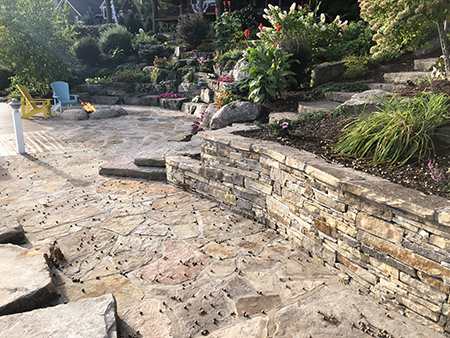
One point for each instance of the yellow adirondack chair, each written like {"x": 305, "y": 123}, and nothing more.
{"x": 32, "y": 106}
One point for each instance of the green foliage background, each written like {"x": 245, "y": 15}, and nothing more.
{"x": 35, "y": 42}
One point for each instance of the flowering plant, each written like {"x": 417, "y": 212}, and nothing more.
{"x": 170, "y": 95}
{"x": 226, "y": 78}
{"x": 281, "y": 128}
{"x": 196, "y": 125}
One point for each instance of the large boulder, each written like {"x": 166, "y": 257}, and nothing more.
{"x": 104, "y": 113}
{"x": 189, "y": 89}
{"x": 119, "y": 110}
{"x": 74, "y": 114}
{"x": 327, "y": 72}
{"x": 365, "y": 103}
{"x": 235, "y": 112}
{"x": 237, "y": 69}
{"x": 209, "y": 113}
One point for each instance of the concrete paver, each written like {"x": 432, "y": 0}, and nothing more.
{"x": 177, "y": 264}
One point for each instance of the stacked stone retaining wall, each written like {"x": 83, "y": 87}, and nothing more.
{"x": 386, "y": 240}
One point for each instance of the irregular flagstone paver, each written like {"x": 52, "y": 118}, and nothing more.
{"x": 25, "y": 282}
{"x": 265, "y": 272}
{"x": 10, "y": 230}
{"x": 94, "y": 318}
{"x": 123, "y": 225}
{"x": 252, "y": 328}
{"x": 347, "y": 307}
{"x": 178, "y": 264}
{"x": 202, "y": 309}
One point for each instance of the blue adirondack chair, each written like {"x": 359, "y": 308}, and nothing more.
{"x": 61, "y": 95}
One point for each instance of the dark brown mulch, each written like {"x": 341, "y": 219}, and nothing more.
{"x": 318, "y": 137}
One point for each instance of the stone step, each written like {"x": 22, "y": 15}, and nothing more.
{"x": 154, "y": 155}
{"x": 403, "y": 77}
{"x": 425, "y": 65}
{"x": 388, "y": 87}
{"x": 311, "y": 107}
{"x": 10, "y": 230}
{"x": 25, "y": 282}
{"x": 90, "y": 317}
{"x": 339, "y": 96}
{"x": 273, "y": 117}
{"x": 124, "y": 167}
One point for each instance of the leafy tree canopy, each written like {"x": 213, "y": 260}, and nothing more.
{"x": 35, "y": 41}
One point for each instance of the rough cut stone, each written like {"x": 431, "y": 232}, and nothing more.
{"x": 119, "y": 110}
{"x": 10, "y": 230}
{"x": 154, "y": 156}
{"x": 92, "y": 317}
{"x": 326, "y": 72}
{"x": 104, "y": 113}
{"x": 235, "y": 112}
{"x": 207, "y": 95}
{"x": 236, "y": 71}
{"x": 74, "y": 114}
{"x": 425, "y": 65}
{"x": 365, "y": 102}
{"x": 189, "y": 89}
{"x": 209, "y": 113}
{"x": 103, "y": 99}
{"x": 403, "y": 77}
{"x": 25, "y": 282}
{"x": 173, "y": 104}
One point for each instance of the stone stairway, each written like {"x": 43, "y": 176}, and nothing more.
{"x": 333, "y": 100}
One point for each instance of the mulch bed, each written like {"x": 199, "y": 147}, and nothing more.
{"x": 318, "y": 138}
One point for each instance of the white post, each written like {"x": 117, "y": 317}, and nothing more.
{"x": 15, "y": 105}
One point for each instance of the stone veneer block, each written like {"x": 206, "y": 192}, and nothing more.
{"x": 397, "y": 196}
{"x": 299, "y": 161}
{"x": 331, "y": 174}
{"x": 25, "y": 282}
{"x": 10, "y": 230}
{"x": 274, "y": 150}
{"x": 219, "y": 137}
{"x": 90, "y": 317}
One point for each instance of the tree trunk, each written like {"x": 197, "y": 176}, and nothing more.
{"x": 444, "y": 45}
{"x": 108, "y": 11}
{"x": 200, "y": 8}
{"x": 154, "y": 11}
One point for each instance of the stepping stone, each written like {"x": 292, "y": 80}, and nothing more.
{"x": 402, "y": 77}
{"x": 90, "y": 317}
{"x": 154, "y": 156}
{"x": 389, "y": 87}
{"x": 312, "y": 107}
{"x": 124, "y": 167}
{"x": 339, "y": 96}
{"x": 25, "y": 282}
{"x": 273, "y": 117}
{"x": 10, "y": 230}
{"x": 365, "y": 103}
{"x": 425, "y": 65}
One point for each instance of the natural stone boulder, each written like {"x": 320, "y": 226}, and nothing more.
{"x": 119, "y": 110}
{"x": 326, "y": 72}
{"x": 140, "y": 100}
{"x": 236, "y": 71}
{"x": 10, "y": 230}
{"x": 235, "y": 112}
{"x": 366, "y": 102}
{"x": 104, "y": 113}
{"x": 74, "y": 114}
{"x": 107, "y": 100}
{"x": 207, "y": 95}
{"x": 193, "y": 108}
{"x": 209, "y": 112}
{"x": 189, "y": 89}
{"x": 91, "y": 317}
{"x": 172, "y": 104}
{"x": 25, "y": 282}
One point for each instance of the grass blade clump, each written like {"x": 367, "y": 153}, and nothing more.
{"x": 402, "y": 130}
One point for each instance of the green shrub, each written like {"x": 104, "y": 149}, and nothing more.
{"x": 402, "y": 131}
{"x": 357, "y": 67}
{"x": 232, "y": 54}
{"x": 133, "y": 66}
{"x": 5, "y": 74}
{"x": 104, "y": 72}
{"x": 191, "y": 30}
{"x": 148, "y": 51}
{"x": 298, "y": 46}
{"x": 143, "y": 37}
{"x": 269, "y": 72}
{"x": 239, "y": 87}
{"x": 132, "y": 23}
{"x": 130, "y": 76}
{"x": 189, "y": 77}
{"x": 114, "y": 39}
{"x": 87, "y": 51}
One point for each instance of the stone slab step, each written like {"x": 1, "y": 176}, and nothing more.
{"x": 402, "y": 77}
{"x": 154, "y": 155}
{"x": 425, "y": 65}
{"x": 311, "y": 107}
{"x": 90, "y": 317}
{"x": 273, "y": 117}
{"x": 25, "y": 282}
{"x": 339, "y": 96}
{"x": 10, "y": 230}
{"x": 124, "y": 166}
{"x": 388, "y": 87}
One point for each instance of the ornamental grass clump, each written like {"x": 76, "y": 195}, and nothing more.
{"x": 402, "y": 131}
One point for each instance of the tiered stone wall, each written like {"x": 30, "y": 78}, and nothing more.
{"x": 386, "y": 240}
